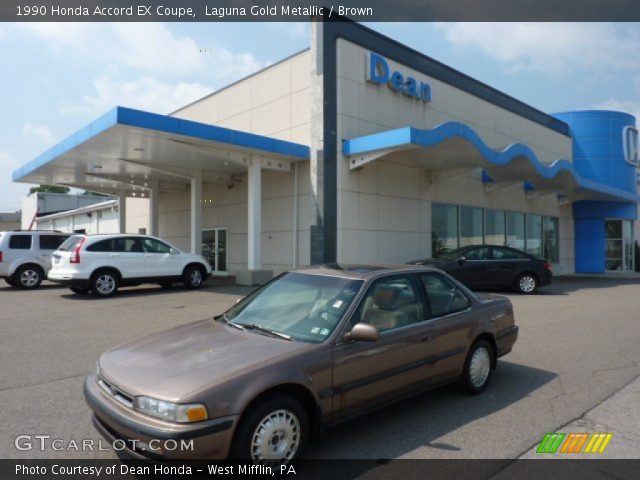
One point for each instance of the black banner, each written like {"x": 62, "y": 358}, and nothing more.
{"x": 302, "y": 10}
{"x": 549, "y": 468}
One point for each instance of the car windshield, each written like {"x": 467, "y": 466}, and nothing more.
{"x": 301, "y": 306}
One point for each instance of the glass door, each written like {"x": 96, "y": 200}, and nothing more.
{"x": 619, "y": 254}
{"x": 214, "y": 249}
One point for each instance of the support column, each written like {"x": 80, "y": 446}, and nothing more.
{"x": 254, "y": 217}
{"x": 196, "y": 214}
{"x": 122, "y": 212}
{"x": 154, "y": 215}
{"x": 254, "y": 275}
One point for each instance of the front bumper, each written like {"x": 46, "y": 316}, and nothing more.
{"x": 146, "y": 437}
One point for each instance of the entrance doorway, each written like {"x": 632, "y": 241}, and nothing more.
{"x": 619, "y": 251}
{"x": 214, "y": 249}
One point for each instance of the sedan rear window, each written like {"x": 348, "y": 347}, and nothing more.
{"x": 20, "y": 242}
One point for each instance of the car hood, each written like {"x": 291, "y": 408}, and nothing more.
{"x": 174, "y": 363}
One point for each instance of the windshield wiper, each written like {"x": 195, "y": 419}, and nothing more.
{"x": 224, "y": 318}
{"x": 262, "y": 329}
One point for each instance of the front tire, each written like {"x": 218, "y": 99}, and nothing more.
{"x": 274, "y": 430}
{"x": 104, "y": 283}
{"x": 478, "y": 368}
{"x": 193, "y": 277}
{"x": 28, "y": 277}
{"x": 527, "y": 283}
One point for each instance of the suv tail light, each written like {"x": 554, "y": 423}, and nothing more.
{"x": 0, "y": 256}
{"x": 75, "y": 255}
{"x": 547, "y": 265}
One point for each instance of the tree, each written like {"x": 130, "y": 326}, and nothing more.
{"x": 49, "y": 189}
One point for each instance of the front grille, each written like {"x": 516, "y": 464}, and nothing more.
{"x": 119, "y": 395}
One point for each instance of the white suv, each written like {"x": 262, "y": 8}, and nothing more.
{"x": 103, "y": 263}
{"x": 25, "y": 255}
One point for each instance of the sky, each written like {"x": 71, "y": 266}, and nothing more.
{"x": 58, "y": 77}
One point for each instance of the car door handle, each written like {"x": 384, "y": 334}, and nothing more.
{"x": 114, "y": 254}
{"x": 427, "y": 338}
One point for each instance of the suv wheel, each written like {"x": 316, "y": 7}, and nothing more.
{"x": 104, "y": 283}
{"x": 527, "y": 283}
{"x": 274, "y": 430}
{"x": 28, "y": 277}
{"x": 193, "y": 277}
{"x": 478, "y": 367}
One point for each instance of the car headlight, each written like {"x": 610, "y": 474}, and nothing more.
{"x": 172, "y": 412}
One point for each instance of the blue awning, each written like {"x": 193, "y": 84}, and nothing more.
{"x": 126, "y": 149}
{"x": 453, "y": 145}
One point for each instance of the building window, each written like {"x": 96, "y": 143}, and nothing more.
{"x": 533, "y": 244}
{"x": 471, "y": 231}
{"x": 444, "y": 227}
{"x": 494, "y": 227}
{"x": 550, "y": 239}
{"x": 515, "y": 230}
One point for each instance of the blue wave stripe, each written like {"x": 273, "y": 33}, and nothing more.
{"x": 407, "y": 136}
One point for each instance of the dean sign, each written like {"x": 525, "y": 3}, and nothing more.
{"x": 379, "y": 72}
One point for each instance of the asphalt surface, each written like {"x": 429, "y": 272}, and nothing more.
{"x": 579, "y": 344}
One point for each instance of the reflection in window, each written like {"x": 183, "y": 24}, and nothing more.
{"x": 444, "y": 227}
{"x": 515, "y": 230}
{"x": 550, "y": 237}
{"x": 470, "y": 226}
{"x": 494, "y": 221}
{"x": 534, "y": 235}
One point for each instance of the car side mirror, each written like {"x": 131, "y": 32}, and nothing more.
{"x": 461, "y": 260}
{"x": 362, "y": 332}
{"x": 173, "y": 251}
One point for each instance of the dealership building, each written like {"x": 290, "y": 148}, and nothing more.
{"x": 360, "y": 149}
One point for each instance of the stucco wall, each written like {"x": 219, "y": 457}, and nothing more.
{"x": 384, "y": 209}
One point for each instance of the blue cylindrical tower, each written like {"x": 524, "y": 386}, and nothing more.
{"x": 599, "y": 138}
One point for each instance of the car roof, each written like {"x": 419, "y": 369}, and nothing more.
{"x": 361, "y": 271}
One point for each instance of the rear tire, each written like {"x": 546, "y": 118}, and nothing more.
{"x": 273, "y": 430}
{"x": 527, "y": 283}
{"x": 478, "y": 368}
{"x": 193, "y": 277}
{"x": 28, "y": 277}
{"x": 104, "y": 283}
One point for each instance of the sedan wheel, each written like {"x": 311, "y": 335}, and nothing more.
{"x": 527, "y": 283}
{"x": 104, "y": 284}
{"x": 478, "y": 367}
{"x": 277, "y": 437}
{"x": 28, "y": 277}
{"x": 273, "y": 430}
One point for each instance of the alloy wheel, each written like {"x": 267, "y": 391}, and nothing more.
{"x": 196, "y": 277}
{"x": 105, "y": 284}
{"x": 29, "y": 278}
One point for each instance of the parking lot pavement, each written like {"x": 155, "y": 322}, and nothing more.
{"x": 578, "y": 345}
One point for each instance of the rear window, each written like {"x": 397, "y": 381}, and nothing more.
{"x": 20, "y": 242}
{"x": 51, "y": 242}
{"x": 70, "y": 243}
